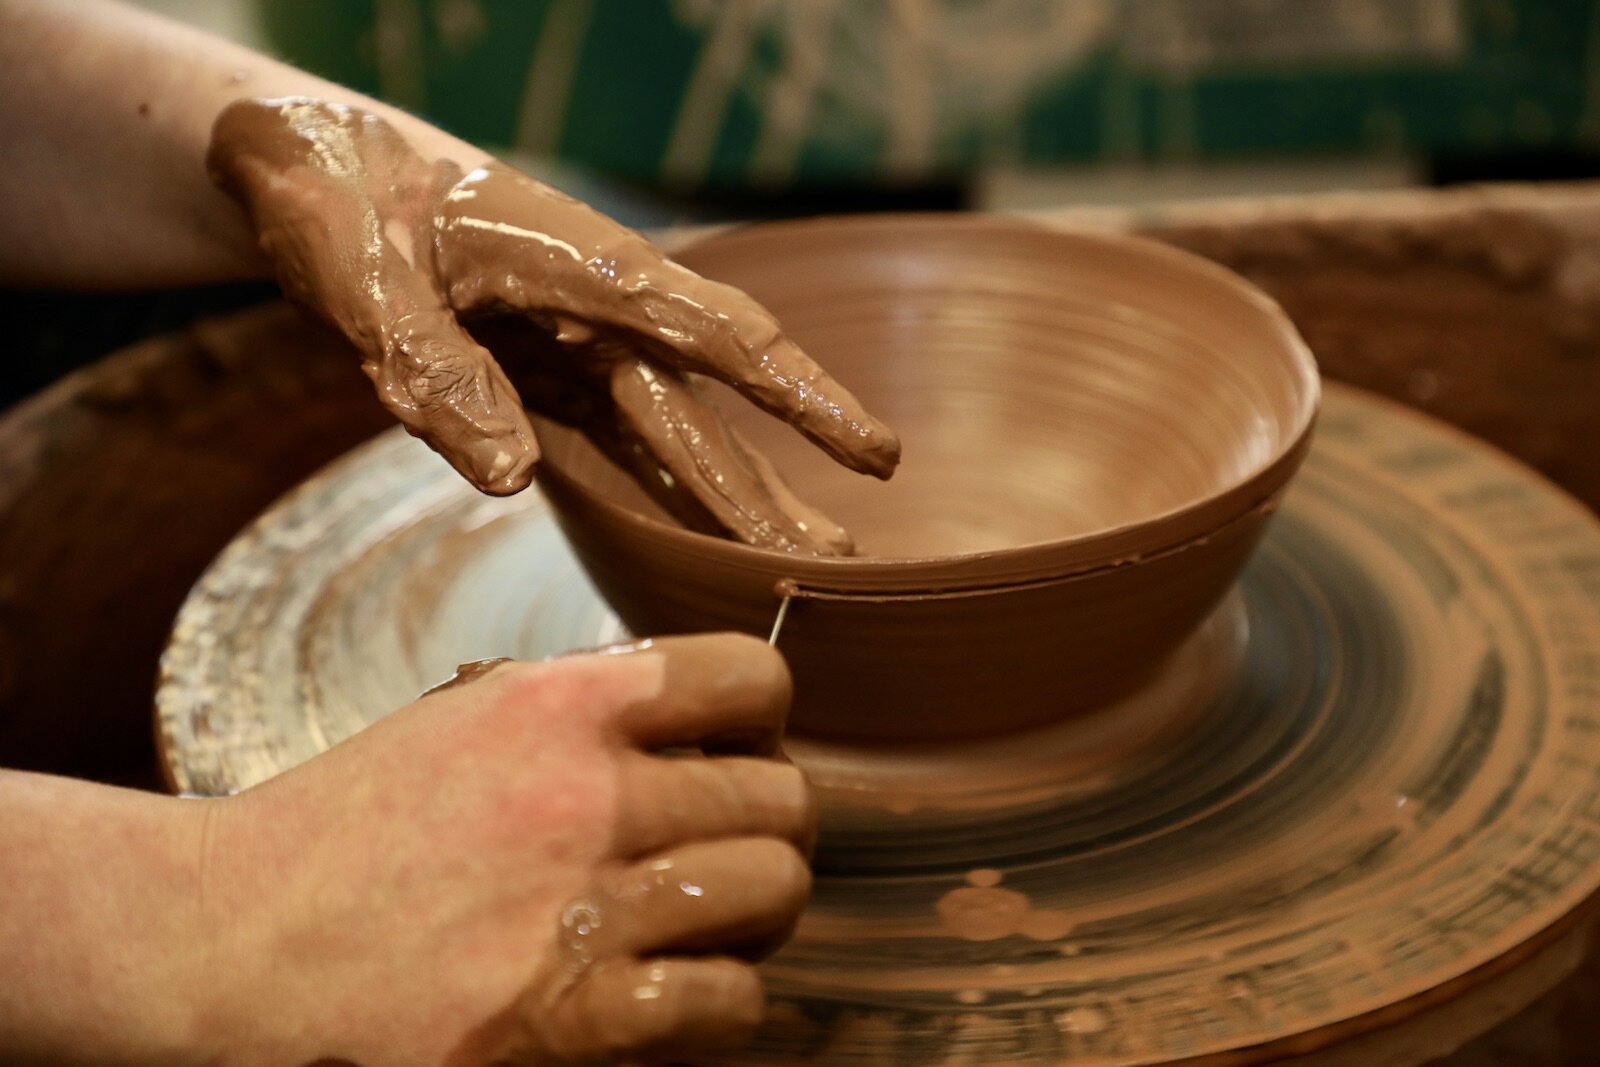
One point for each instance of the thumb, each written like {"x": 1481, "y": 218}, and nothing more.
{"x": 449, "y": 391}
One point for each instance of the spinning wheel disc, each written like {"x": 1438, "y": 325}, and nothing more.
{"x": 1377, "y": 770}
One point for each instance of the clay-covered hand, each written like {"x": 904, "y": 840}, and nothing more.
{"x": 566, "y": 862}
{"x": 391, "y": 248}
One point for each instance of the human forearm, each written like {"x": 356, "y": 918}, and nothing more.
{"x": 518, "y": 868}
{"x": 107, "y": 112}
{"x": 102, "y": 934}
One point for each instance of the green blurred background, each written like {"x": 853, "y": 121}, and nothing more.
{"x": 725, "y": 94}
{"x": 666, "y": 111}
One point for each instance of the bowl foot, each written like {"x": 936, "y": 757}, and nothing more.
{"x": 1085, "y": 754}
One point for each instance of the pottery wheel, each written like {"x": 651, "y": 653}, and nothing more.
{"x": 1390, "y": 784}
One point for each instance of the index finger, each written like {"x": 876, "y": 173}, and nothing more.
{"x": 727, "y": 692}
{"x": 505, "y": 239}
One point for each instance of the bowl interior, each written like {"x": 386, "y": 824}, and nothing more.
{"x": 1047, "y": 386}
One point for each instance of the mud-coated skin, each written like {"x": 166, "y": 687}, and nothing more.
{"x": 507, "y": 240}
{"x": 391, "y": 249}
{"x": 344, "y": 209}
{"x": 571, "y": 879}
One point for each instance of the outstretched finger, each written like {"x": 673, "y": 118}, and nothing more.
{"x": 664, "y": 802}
{"x": 725, "y": 692}
{"x": 706, "y": 459}
{"x": 657, "y": 1009}
{"x": 739, "y": 896}
{"x": 559, "y": 258}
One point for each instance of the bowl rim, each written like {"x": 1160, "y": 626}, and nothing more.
{"x": 1110, "y": 547}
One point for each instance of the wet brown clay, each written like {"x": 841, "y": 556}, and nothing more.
{"x": 469, "y": 672}
{"x": 1097, "y": 430}
{"x": 413, "y": 242}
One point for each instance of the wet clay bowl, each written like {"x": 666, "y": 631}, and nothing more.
{"x": 1096, "y": 429}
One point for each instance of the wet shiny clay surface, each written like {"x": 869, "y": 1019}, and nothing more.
{"x": 405, "y": 256}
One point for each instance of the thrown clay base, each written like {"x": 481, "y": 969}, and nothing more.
{"x": 1118, "y": 742}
